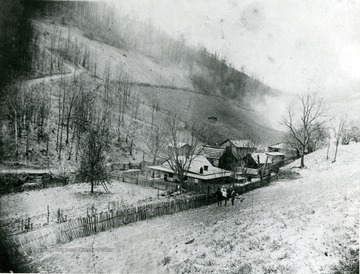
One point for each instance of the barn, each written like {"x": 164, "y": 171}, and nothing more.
{"x": 239, "y": 148}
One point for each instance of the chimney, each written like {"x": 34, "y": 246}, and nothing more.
{"x": 206, "y": 168}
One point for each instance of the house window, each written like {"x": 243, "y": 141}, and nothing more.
{"x": 171, "y": 175}
{"x": 196, "y": 181}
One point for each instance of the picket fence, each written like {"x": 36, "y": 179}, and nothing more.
{"x": 49, "y": 236}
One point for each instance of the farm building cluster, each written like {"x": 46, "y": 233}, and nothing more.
{"x": 231, "y": 161}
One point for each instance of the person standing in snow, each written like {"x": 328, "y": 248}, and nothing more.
{"x": 233, "y": 195}
{"x": 219, "y": 196}
{"x": 224, "y": 194}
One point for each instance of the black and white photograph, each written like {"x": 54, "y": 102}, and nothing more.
{"x": 180, "y": 136}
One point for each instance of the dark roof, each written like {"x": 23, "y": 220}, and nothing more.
{"x": 212, "y": 152}
{"x": 241, "y": 143}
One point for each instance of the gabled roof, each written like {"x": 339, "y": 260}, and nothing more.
{"x": 262, "y": 158}
{"x": 212, "y": 152}
{"x": 281, "y": 146}
{"x": 240, "y": 143}
{"x": 178, "y": 144}
{"x": 275, "y": 154}
{"x": 194, "y": 169}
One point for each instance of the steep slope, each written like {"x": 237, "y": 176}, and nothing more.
{"x": 73, "y": 61}
{"x": 168, "y": 83}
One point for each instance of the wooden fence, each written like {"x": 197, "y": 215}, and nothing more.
{"x": 154, "y": 183}
{"x": 26, "y": 223}
{"x": 203, "y": 188}
{"x": 113, "y": 217}
{"x": 10, "y": 183}
{"x": 49, "y": 236}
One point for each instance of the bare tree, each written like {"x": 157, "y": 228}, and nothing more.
{"x": 134, "y": 125}
{"x": 180, "y": 161}
{"x": 339, "y": 130}
{"x": 154, "y": 143}
{"x": 304, "y": 124}
{"x": 14, "y": 106}
{"x": 328, "y": 143}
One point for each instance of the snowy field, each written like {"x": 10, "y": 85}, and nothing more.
{"x": 299, "y": 224}
{"x": 74, "y": 200}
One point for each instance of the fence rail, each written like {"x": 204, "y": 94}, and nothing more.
{"x": 46, "y": 237}
{"x": 115, "y": 216}
{"x": 203, "y": 188}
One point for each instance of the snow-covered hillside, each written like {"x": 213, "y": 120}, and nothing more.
{"x": 302, "y": 223}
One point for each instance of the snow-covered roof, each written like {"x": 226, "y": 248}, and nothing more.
{"x": 194, "y": 170}
{"x": 212, "y": 152}
{"x": 281, "y": 146}
{"x": 275, "y": 154}
{"x": 178, "y": 144}
{"x": 241, "y": 143}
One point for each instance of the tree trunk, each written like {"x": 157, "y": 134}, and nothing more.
{"x": 16, "y": 138}
{"x": 58, "y": 127}
{"x": 61, "y": 125}
{"x": 77, "y": 146}
{"x": 131, "y": 148}
{"x": 27, "y": 142}
{"x": 336, "y": 150}
{"x": 327, "y": 151}
{"x": 68, "y": 127}
{"x": 47, "y": 145}
{"x": 302, "y": 159}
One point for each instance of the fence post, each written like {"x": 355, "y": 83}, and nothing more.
{"x": 48, "y": 214}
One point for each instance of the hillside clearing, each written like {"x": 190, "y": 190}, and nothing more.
{"x": 300, "y": 225}
{"x": 74, "y": 200}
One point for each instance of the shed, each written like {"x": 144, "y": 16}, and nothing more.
{"x": 276, "y": 157}
{"x": 284, "y": 148}
{"x": 256, "y": 160}
{"x": 213, "y": 154}
{"x": 239, "y": 148}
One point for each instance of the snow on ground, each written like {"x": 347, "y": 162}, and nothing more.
{"x": 73, "y": 199}
{"x": 300, "y": 224}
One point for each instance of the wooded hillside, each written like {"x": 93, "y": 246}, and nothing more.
{"x": 88, "y": 67}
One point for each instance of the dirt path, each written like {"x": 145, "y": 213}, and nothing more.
{"x": 73, "y": 73}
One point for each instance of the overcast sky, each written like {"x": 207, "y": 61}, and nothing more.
{"x": 291, "y": 45}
